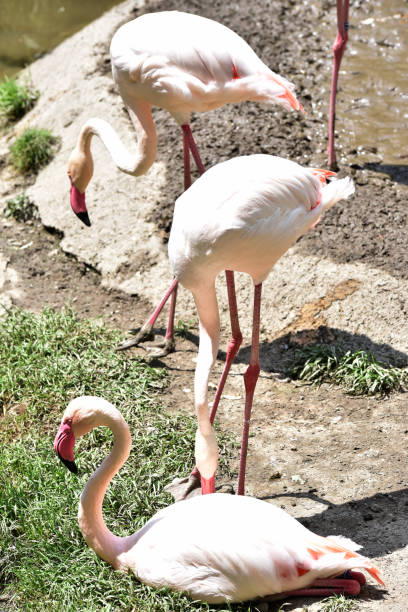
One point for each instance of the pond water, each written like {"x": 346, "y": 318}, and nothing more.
{"x": 373, "y": 96}
{"x": 29, "y": 28}
{"x": 374, "y": 81}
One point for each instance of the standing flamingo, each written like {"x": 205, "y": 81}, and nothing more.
{"x": 241, "y": 215}
{"x": 182, "y": 63}
{"x": 338, "y": 50}
{"x": 198, "y": 546}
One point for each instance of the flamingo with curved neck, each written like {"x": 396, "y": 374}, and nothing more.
{"x": 199, "y": 545}
{"x": 182, "y": 63}
{"x": 241, "y": 215}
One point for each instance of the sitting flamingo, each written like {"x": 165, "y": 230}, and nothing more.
{"x": 199, "y": 546}
{"x": 242, "y": 215}
{"x": 182, "y": 63}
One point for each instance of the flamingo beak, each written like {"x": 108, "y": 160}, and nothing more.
{"x": 292, "y": 101}
{"x": 78, "y": 204}
{"x": 64, "y": 446}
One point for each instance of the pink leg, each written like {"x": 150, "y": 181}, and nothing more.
{"x": 186, "y": 152}
{"x": 338, "y": 50}
{"x": 234, "y": 343}
{"x": 321, "y": 588}
{"x": 146, "y": 331}
{"x": 193, "y": 148}
{"x": 170, "y": 327}
{"x": 250, "y": 379}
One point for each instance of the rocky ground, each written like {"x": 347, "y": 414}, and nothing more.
{"x": 335, "y": 462}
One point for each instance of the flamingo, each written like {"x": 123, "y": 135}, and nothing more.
{"x": 182, "y": 63}
{"x": 241, "y": 215}
{"x": 198, "y": 545}
{"x": 339, "y": 47}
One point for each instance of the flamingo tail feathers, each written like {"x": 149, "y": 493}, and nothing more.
{"x": 336, "y": 190}
{"x": 336, "y": 554}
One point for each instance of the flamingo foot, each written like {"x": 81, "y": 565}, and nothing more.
{"x": 321, "y": 588}
{"x": 162, "y": 348}
{"x": 159, "y": 349}
{"x": 184, "y": 488}
{"x": 145, "y": 333}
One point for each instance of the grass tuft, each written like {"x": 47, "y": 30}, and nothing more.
{"x": 47, "y": 360}
{"x": 183, "y": 327}
{"x": 337, "y": 603}
{"x": 359, "y": 373}
{"x": 15, "y": 100}
{"x": 21, "y": 208}
{"x": 33, "y": 150}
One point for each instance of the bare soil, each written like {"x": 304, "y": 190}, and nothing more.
{"x": 337, "y": 463}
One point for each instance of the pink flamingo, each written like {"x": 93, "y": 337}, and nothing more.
{"x": 338, "y": 50}
{"x": 198, "y": 546}
{"x": 182, "y": 63}
{"x": 241, "y": 215}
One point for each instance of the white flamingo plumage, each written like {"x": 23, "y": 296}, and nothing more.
{"x": 183, "y": 63}
{"x": 241, "y": 215}
{"x": 199, "y": 545}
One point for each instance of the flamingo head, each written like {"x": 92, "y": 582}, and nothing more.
{"x": 79, "y": 418}
{"x": 80, "y": 171}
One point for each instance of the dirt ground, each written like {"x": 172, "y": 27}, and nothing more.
{"x": 336, "y": 463}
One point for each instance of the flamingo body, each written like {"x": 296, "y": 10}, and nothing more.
{"x": 198, "y": 546}
{"x": 182, "y": 63}
{"x": 186, "y": 63}
{"x": 241, "y": 215}
{"x": 179, "y": 62}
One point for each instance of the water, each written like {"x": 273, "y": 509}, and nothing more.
{"x": 29, "y": 28}
{"x": 374, "y": 82}
{"x": 373, "y": 97}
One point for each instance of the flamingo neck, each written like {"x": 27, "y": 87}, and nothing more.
{"x": 134, "y": 163}
{"x": 93, "y": 528}
{"x": 206, "y": 448}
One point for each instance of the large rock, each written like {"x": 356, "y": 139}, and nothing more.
{"x": 126, "y": 248}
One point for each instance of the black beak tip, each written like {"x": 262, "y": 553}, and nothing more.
{"x": 84, "y": 218}
{"x": 71, "y": 465}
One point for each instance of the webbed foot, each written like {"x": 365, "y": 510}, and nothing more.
{"x": 184, "y": 488}
{"x": 145, "y": 333}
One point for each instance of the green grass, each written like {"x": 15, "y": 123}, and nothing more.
{"x": 183, "y": 327}
{"x": 337, "y": 603}
{"x": 21, "y": 208}
{"x": 33, "y": 150}
{"x": 359, "y": 373}
{"x": 45, "y": 564}
{"x": 15, "y": 100}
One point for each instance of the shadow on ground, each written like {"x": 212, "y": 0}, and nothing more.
{"x": 378, "y": 523}
{"x": 396, "y": 172}
{"x": 373, "y": 521}
{"x": 278, "y": 354}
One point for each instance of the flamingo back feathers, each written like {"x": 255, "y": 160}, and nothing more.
{"x": 184, "y": 63}
{"x": 243, "y": 214}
